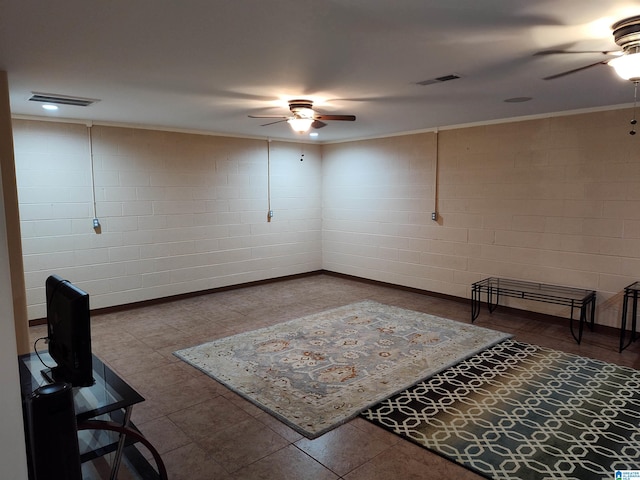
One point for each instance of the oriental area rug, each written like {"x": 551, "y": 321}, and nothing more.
{"x": 519, "y": 411}
{"x": 316, "y": 372}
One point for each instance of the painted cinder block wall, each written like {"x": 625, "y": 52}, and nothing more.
{"x": 179, "y": 212}
{"x": 554, "y": 200}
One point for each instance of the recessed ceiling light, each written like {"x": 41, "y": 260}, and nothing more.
{"x": 518, "y": 99}
{"x": 48, "y": 106}
{"x": 313, "y": 134}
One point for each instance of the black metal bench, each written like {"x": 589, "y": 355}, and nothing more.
{"x": 576, "y": 298}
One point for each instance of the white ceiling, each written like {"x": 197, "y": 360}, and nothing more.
{"x": 204, "y": 65}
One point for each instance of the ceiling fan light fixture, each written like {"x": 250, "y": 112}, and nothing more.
{"x": 628, "y": 66}
{"x": 626, "y": 34}
{"x": 300, "y": 124}
{"x": 304, "y": 112}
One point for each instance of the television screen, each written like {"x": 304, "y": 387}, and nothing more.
{"x": 69, "y": 332}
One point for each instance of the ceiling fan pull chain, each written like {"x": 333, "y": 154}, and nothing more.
{"x": 635, "y": 102}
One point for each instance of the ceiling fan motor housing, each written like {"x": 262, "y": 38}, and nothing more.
{"x": 301, "y": 108}
{"x": 626, "y": 33}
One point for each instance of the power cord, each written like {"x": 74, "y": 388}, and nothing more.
{"x": 35, "y": 349}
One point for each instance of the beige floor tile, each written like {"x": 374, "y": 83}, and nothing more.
{"x": 279, "y": 427}
{"x": 242, "y": 403}
{"x": 288, "y": 463}
{"x": 164, "y": 435}
{"x": 205, "y": 431}
{"x": 242, "y": 444}
{"x": 173, "y": 398}
{"x": 409, "y": 462}
{"x": 135, "y": 362}
{"x": 204, "y": 419}
{"x": 346, "y": 447}
{"x": 145, "y": 412}
{"x": 160, "y": 376}
{"x": 193, "y": 463}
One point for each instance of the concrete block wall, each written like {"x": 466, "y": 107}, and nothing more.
{"x": 378, "y": 196}
{"x": 554, "y": 200}
{"x": 179, "y": 212}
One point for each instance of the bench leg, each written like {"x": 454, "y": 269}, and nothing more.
{"x": 583, "y": 319}
{"x": 583, "y": 313}
{"x": 490, "y": 305}
{"x": 475, "y": 303}
{"x": 635, "y": 316}
{"x": 623, "y": 326}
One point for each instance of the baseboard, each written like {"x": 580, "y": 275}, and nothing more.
{"x": 181, "y": 296}
{"x": 453, "y": 298}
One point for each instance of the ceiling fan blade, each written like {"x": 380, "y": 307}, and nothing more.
{"x": 267, "y": 116}
{"x": 322, "y": 116}
{"x": 318, "y": 124}
{"x": 556, "y": 52}
{"x": 569, "y": 72}
{"x": 273, "y": 123}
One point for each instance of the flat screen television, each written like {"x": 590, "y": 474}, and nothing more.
{"x": 69, "y": 333}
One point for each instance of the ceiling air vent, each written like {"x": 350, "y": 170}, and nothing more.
{"x": 61, "y": 99}
{"x": 445, "y": 78}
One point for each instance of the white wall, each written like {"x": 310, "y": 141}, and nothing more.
{"x": 554, "y": 200}
{"x": 378, "y": 196}
{"x": 13, "y": 461}
{"x": 179, "y": 213}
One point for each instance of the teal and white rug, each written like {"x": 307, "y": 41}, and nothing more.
{"x": 519, "y": 411}
{"x": 316, "y": 372}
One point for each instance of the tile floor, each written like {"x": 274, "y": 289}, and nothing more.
{"x": 205, "y": 431}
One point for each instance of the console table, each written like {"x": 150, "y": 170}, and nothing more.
{"x": 576, "y": 298}
{"x": 103, "y": 408}
{"x": 630, "y": 293}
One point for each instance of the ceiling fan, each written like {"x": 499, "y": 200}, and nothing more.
{"x": 303, "y": 116}
{"x": 626, "y": 34}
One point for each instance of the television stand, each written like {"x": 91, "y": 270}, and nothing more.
{"x": 109, "y": 397}
{"x": 47, "y": 374}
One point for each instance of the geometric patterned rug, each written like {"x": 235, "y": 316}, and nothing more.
{"x": 319, "y": 371}
{"x": 520, "y": 411}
